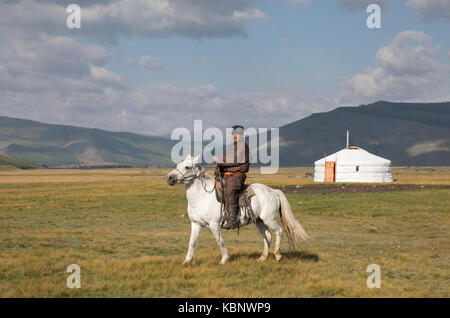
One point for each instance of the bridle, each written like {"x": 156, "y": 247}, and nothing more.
{"x": 183, "y": 176}
{"x": 195, "y": 176}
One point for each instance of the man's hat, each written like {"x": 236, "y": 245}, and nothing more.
{"x": 238, "y": 130}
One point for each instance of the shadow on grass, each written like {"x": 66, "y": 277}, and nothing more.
{"x": 303, "y": 256}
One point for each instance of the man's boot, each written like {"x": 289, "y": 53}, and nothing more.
{"x": 232, "y": 221}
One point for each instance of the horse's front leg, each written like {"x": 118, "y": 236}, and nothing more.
{"x": 195, "y": 231}
{"x": 217, "y": 232}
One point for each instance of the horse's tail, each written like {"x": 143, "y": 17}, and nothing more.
{"x": 294, "y": 230}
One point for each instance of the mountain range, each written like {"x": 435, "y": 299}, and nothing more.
{"x": 409, "y": 134}
{"x": 68, "y": 146}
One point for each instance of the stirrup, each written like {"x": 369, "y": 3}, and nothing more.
{"x": 226, "y": 224}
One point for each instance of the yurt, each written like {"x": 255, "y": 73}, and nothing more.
{"x": 352, "y": 164}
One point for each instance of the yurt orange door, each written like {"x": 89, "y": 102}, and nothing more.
{"x": 330, "y": 171}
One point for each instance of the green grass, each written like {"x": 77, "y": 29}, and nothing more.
{"x": 129, "y": 231}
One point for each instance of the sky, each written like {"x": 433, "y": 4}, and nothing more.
{"x": 150, "y": 66}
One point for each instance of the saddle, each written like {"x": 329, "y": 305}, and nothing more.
{"x": 244, "y": 196}
{"x": 243, "y": 200}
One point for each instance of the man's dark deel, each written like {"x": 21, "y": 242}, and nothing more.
{"x": 232, "y": 167}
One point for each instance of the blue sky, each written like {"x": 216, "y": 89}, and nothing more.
{"x": 323, "y": 46}
{"x": 261, "y": 63}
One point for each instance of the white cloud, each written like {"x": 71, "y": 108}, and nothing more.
{"x": 153, "y": 108}
{"x": 52, "y": 55}
{"x": 253, "y": 14}
{"x": 169, "y": 106}
{"x": 56, "y": 79}
{"x": 47, "y": 75}
{"x": 105, "y": 77}
{"x": 106, "y": 20}
{"x": 431, "y": 10}
{"x": 58, "y": 64}
{"x": 122, "y": 115}
{"x": 406, "y": 70}
{"x": 152, "y": 63}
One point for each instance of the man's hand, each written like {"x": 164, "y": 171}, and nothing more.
{"x": 215, "y": 158}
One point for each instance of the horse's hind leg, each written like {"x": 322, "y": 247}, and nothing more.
{"x": 276, "y": 228}
{"x": 265, "y": 233}
{"x": 195, "y": 231}
{"x": 217, "y": 232}
{"x": 277, "y": 252}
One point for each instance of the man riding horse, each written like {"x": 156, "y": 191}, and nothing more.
{"x": 232, "y": 168}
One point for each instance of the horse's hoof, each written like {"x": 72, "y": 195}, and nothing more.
{"x": 224, "y": 260}
{"x": 278, "y": 257}
{"x": 262, "y": 258}
{"x": 187, "y": 262}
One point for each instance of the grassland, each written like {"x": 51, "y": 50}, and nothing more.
{"x": 128, "y": 231}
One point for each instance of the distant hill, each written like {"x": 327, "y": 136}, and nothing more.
{"x": 406, "y": 133}
{"x": 20, "y": 164}
{"x": 68, "y": 146}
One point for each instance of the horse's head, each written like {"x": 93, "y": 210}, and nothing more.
{"x": 184, "y": 172}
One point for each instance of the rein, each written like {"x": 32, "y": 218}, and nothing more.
{"x": 195, "y": 176}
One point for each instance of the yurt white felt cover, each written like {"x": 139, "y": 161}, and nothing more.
{"x": 354, "y": 164}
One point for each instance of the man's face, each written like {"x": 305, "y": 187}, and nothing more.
{"x": 237, "y": 137}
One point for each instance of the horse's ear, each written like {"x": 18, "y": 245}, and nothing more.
{"x": 195, "y": 159}
{"x": 188, "y": 157}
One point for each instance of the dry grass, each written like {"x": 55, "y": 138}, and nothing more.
{"x": 129, "y": 232}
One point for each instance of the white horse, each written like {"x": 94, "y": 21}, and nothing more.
{"x": 204, "y": 210}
